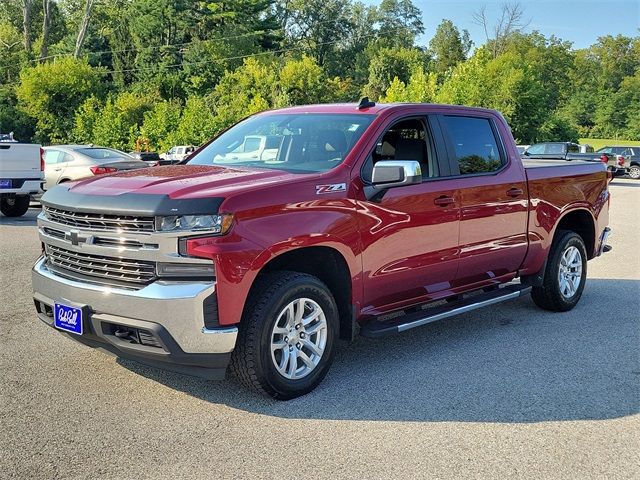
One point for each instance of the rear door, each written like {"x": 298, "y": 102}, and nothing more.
{"x": 53, "y": 166}
{"x": 492, "y": 195}
{"x": 410, "y": 234}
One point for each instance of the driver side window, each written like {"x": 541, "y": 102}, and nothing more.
{"x": 405, "y": 140}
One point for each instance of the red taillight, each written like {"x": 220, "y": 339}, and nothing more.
{"x": 102, "y": 170}
{"x": 604, "y": 158}
{"x": 41, "y": 159}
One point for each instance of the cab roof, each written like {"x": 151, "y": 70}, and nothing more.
{"x": 376, "y": 109}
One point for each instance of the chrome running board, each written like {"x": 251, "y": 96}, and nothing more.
{"x": 380, "y": 328}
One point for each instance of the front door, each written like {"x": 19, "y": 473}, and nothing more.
{"x": 410, "y": 234}
{"x": 493, "y": 199}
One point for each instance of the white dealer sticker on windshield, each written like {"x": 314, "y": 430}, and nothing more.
{"x": 330, "y": 188}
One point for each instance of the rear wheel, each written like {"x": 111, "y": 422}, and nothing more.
{"x": 15, "y": 206}
{"x": 565, "y": 274}
{"x": 287, "y": 337}
{"x": 634, "y": 172}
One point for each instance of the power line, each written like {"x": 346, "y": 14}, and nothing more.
{"x": 238, "y": 57}
{"x": 154, "y": 47}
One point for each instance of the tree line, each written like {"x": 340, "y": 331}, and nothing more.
{"x": 148, "y": 74}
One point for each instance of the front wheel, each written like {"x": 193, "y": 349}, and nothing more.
{"x": 287, "y": 336}
{"x": 634, "y": 172}
{"x": 15, "y": 206}
{"x": 565, "y": 274}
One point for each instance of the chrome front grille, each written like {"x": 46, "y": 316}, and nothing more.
{"x": 100, "y": 221}
{"x": 113, "y": 271}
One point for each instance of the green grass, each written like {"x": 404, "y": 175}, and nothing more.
{"x": 597, "y": 143}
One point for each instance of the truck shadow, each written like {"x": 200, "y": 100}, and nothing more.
{"x": 509, "y": 363}
{"x": 27, "y": 220}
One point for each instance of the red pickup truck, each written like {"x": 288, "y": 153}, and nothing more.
{"x": 364, "y": 218}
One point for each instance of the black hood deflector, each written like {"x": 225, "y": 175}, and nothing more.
{"x": 129, "y": 203}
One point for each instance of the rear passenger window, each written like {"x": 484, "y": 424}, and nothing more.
{"x": 476, "y": 149}
{"x": 51, "y": 156}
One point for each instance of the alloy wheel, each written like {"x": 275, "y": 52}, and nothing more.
{"x": 570, "y": 272}
{"x": 299, "y": 338}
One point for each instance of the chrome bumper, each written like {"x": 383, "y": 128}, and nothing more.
{"x": 175, "y": 306}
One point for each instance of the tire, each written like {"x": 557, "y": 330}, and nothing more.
{"x": 258, "y": 363}
{"x": 634, "y": 172}
{"x": 15, "y": 206}
{"x": 554, "y": 294}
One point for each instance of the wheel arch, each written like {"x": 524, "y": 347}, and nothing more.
{"x": 327, "y": 264}
{"x": 580, "y": 221}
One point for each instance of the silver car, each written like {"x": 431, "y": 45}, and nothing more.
{"x": 64, "y": 163}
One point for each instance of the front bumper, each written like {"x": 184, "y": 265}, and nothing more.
{"x": 169, "y": 315}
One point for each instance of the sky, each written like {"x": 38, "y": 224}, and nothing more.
{"x": 578, "y": 21}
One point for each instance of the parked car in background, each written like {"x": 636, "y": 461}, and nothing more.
{"x": 152, "y": 159}
{"x": 262, "y": 148}
{"x": 585, "y": 148}
{"x": 178, "y": 153}
{"x": 522, "y": 148}
{"x": 64, "y": 163}
{"x": 21, "y": 174}
{"x": 628, "y": 158}
{"x": 369, "y": 217}
{"x": 571, "y": 151}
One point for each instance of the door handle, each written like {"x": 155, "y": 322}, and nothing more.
{"x": 57, "y": 169}
{"x": 443, "y": 201}
{"x": 515, "y": 192}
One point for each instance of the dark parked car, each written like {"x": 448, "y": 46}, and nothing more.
{"x": 150, "y": 158}
{"x": 628, "y": 156}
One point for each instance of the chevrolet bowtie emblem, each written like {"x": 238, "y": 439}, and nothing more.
{"x": 73, "y": 237}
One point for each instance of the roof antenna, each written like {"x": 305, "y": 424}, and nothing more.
{"x": 365, "y": 103}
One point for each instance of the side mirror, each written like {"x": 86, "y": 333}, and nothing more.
{"x": 391, "y": 174}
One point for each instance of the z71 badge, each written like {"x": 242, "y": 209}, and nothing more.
{"x": 330, "y": 188}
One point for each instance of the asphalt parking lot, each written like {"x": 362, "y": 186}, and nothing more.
{"x": 506, "y": 391}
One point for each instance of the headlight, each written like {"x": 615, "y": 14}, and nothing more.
{"x": 219, "y": 224}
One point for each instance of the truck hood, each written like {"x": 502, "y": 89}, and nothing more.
{"x": 169, "y": 190}
{"x": 179, "y": 181}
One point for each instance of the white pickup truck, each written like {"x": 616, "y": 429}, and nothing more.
{"x": 21, "y": 175}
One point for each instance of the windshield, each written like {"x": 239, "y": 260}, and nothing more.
{"x": 304, "y": 143}
{"x": 101, "y": 153}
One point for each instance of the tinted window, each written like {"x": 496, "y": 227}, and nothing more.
{"x": 573, "y": 148}
{"x": 302, "y": 142}
{"x": 476, "y": 149}
{"x": 100, "y": 153}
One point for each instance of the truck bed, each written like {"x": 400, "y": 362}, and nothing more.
{"x": 544, "y": 162}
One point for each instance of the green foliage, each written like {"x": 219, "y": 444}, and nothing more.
{"x": 158, "y": 72}
{"x": 160, "y": 125}
{"x": 422, "y": 87}
{"x": 390, "y": 63}
{"x": 50, "y": 93}
{"x": 448, "y": 47}
{"x": 11, "y": 52}
{"x": 115, "y": 123}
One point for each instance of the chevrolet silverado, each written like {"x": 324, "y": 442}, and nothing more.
{"x": 370, "y": 219}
